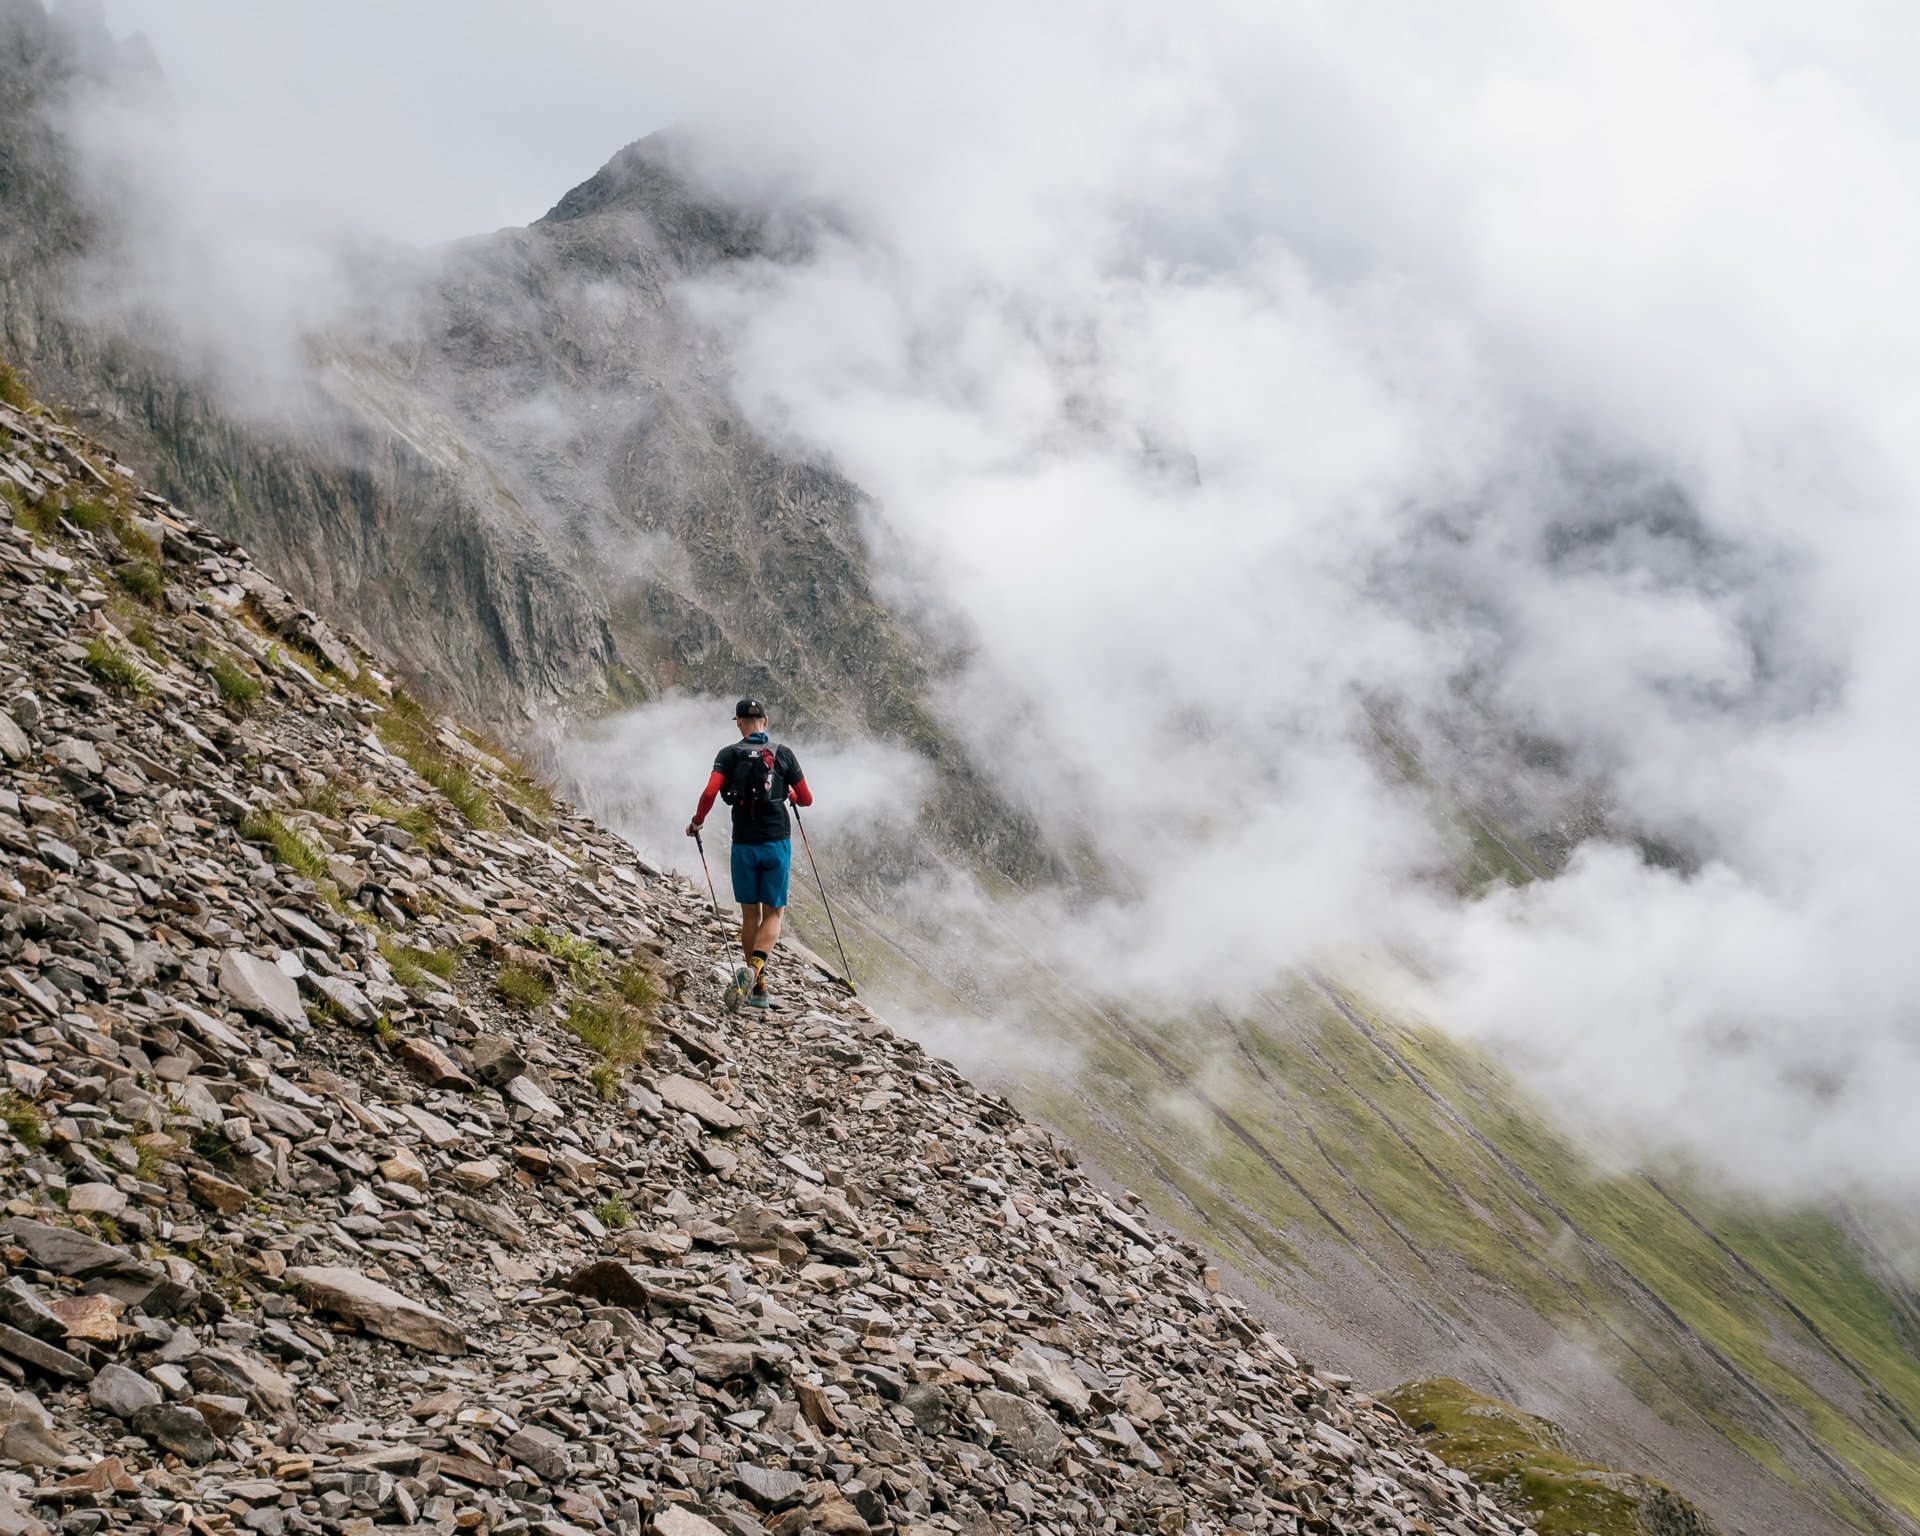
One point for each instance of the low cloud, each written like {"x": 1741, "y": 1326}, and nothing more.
{"x": 1263, "y": 391}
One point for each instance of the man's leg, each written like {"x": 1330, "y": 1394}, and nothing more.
{"x": 744, "y": 976}
{"x": 768, "y": 933}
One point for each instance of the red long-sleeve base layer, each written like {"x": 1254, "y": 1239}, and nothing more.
{"x": 797, "y": 792}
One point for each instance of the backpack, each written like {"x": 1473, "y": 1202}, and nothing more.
{"x": 754, "y": 777}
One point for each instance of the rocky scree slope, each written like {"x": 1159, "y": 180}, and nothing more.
{"x": 371, "y": 1164}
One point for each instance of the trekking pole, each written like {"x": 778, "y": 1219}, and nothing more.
{"x": 807, "y": 843}
{"x": 709, "y": 874}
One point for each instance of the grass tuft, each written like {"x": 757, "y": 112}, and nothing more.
{"x": 23, "y": 1119}
{"x": 89, "y": 516}
{"x": 466, "y": 796}
{"x": 605, "y": 1078}
{"x": 413, "y": 967}
{"x": 580, "y": 956}
{"x": 410, "y": 730}
{"x": 415, "y": 820}
{"x": 143, "y": 636}
{"x": 115, "y": 669}
{"x": 522, "y": 985}
{"x": 237, "y": 687}
{"x": 143, "y": 579}
{"x": 289, "y": 847}
{"x": 638, "y": 986}
{"x": 613, "y": 1214}
{"x": 609, "y": 1028}
{"x": 13, "y": 389}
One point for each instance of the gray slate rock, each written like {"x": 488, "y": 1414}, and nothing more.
{"x": 27, "y": 1432}
{"x": 110, "y": 1270}
{"x": 379, "y": 1309}
{"x": 1024, "y": 1427}
{"x": 542, "y": 1450}
{"x": 27, "y": 1312}
{"x": 261, "y": 988}
{"x": 177, "y": 1429}
{"x": 769, "y": 1487}
{"x": 14, "y": 746}
{"x": 122, "y": 1392}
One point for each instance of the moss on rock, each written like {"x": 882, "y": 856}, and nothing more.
{"x": 1529, "y": 1466}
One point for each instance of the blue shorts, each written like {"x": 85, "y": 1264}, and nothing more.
{"x": 760, "y": 872}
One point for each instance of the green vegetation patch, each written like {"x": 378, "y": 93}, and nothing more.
{"x": 580, "y": 956}
{"x": 114, "y": 669}
{"x": 143, "y": 579}
{"x": 411, "y": 731}
{"x": 609, "y": 1028}
{"x": 89, "y": 516}
{"x": 417, "y": 821}
{"x": 238, "y": 687}
{"x": 289, "y": 846}
{"x": 523, "y": 985}
{"x": 23, "y": 1119}
{"x": 411, "y": 967}
{"x": 1526, "y": 1463}
{"x": 638, "y": 987}
{"x": 13, "y": 390}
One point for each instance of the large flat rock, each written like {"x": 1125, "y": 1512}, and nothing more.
{"x": 261, "y": 988}
{"x": 379, "y": 1309}
{"x": 684, "y": 1094}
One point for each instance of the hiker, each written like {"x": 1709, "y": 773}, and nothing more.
{"x": 756, "y": 778}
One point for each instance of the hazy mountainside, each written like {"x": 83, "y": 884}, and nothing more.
{"x": 370, "y": 1164}
{"x": 512, "y": 470}
{"x": 527, "y": 486}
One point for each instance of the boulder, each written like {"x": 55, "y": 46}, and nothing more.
{"x": 542, "y": 1450}
{"x": 244, "y": 1375}
{"x": 260, "y": 988}
{"x": 678, "y": 1520}
{"x": 687, "y": 1096}
{"x": 1024, "y": 1427}
{"x": 122, "y": 1392}
{"x": 26, "y": 1431}
{"x": 22, "y": 1309}
{"x": 379, "y": 1309}
{"x": 177, "y": 1429}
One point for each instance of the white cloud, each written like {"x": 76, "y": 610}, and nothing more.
{"x": 1237, "y": 368}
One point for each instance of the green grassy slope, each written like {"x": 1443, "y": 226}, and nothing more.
{"x": 1393, "y": 1185}
{"x": 1318, "y": 1124}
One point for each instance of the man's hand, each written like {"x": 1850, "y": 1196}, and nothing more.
{"x": 693, "y": 829}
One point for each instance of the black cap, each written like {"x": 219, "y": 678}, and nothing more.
{"x": 749, "y": 709}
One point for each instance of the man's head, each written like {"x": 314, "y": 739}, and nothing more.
{"x": 750, "y": 715}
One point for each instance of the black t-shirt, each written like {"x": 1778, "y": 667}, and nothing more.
{"x": 765, "y": 821}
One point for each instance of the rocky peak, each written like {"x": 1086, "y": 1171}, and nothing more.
{"x": 658, "y": 179}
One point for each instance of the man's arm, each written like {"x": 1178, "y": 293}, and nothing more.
{"x": 707, "y": 797}
{"x": 796, "y": 778}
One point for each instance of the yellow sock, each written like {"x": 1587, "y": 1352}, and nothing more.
{"x": 759, "y": 963}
